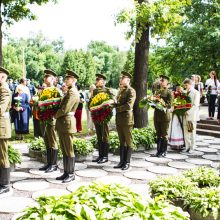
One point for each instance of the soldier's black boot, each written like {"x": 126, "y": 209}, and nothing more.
{"x": 70, "y": 170}
{"x": 122, "y": 148}
{"x": 105, "y": 148}
{"x": 45, "y": 167}
{"x": 127, "y": 158}
{"x": 65, "y": 174}
{"x": 4, "y": 180}
{"x": 53, "y": 165}
{"x": 164, "y": 147}
{"x": 100, "y": 153}
{"x": 159, "y": 148}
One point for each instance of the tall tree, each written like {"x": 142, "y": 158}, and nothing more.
{"x": 12, "y": 11}
{"x": 148, "y": 18}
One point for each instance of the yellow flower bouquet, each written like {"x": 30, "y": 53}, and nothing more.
{"x": 100, "y": 107}
{"x": 49, "y": 102}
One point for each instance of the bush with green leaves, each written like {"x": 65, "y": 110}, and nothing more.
{"x": 204, "y": 176}
{"x": 14, "y": 155}
{"x": 37, "y": 144}
{"x": 99, "y": 201}
{"x": 205, "y": 201}
{"x": 141, "y": 136}
{"x": 171, "y": 187}
{"x": 82, "y": 147}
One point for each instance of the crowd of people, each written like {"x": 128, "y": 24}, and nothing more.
{"x": 63, "y": 124}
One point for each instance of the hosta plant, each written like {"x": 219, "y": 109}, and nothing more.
{"x": 14, "y": 155}
{"x": 37, "y": 144}
{"x": 204, "y": 176}
{"x": 98, "y": 201}
{"x": 82, "y": 147}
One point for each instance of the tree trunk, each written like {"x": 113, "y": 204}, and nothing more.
{"x": 1, "y": 54}
{"x": 140, "y": 76}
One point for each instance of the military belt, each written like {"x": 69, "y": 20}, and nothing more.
{"x": 71, "y": 113}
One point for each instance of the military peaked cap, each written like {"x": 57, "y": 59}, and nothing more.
{"x": 99, "y": 75}
{"x": 164, "y": 77}
{"x": 3, "y": 70}
{"x": 123, "y": 73}
{"x": 50, "y": 73}
{"x": 70, "y": 73}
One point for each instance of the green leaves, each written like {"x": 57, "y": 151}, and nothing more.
{"x": 98, "y": 201}
{"x": 82, "y": 147}
{"x": 14, "y": 155}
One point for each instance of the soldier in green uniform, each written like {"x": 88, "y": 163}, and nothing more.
{"x": 5, "y": 131}
{"x": 66, "y": 126}
{"x": 162, "y": 118}
{"x": 48, "y": 131}
{"x": 102, "y": 131}
{"x": 125, "y": 119}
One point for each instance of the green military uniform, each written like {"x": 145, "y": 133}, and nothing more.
{"x": 102, "y": 131}
{"x": 49, "y": 135}
{"x": 162, "y": 120}
{"x": 66, "y": 127}
{"x": 124, "y": 122}
{"x": 5, "y": 134}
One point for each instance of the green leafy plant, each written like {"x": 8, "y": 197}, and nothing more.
{"x": 99, "y": 201}
{"x": 205, "y": 201}
{"x": 82, "y": 147}
{"x": 37, "y": 144}
{"x": 14, "y": 155}
{"x": 171, "y": 187}
{"x": 204, "y": 176}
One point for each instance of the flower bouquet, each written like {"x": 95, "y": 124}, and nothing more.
{"x": 18, "y": 100}
{"x": 100, "y": 107}
{"x": 154, "y": 101}
{"x": 182, "y": 103}
{"x": 49, "y": 102}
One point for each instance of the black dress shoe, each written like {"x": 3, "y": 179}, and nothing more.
{"x": 4, "y": 189}
{"x": 125, "y": 166}
{"x": 45, "y": 167}
{"x": 120, "y": 165}
{"x": 69, "y": 178}
{"x": 62, "y": 177}
{"x": 51, "y": 168}
{"x": 96, "y": 160}
{"x": 103, "y": 160}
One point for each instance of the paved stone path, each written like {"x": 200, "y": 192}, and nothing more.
{"x": 28, "y": 183}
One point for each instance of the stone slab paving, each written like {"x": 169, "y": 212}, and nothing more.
{"x": 202, "y": 144}
{"x": 215, "y": 165}
{"x": 181, "y": 165}
{"x": 212, "y": 157}
{"x": 29, "y": 165}
{"x": 162, "y": 170}
{"x": 114, "y": 179}
{"x": 158, "y": 160}
{"x": 74, "y": 186}
{"x": 152, "y": 151}
{"x": 15, "y": 204}
{"x": 42, "y": 174}
{"x": 193, "y": 153}
{"x": 138, "y": 155}
{"x": 142, "y": 189}
{"x": 140, "y": 175}
{"x": 50, "y": 192}
{"x": 207, "y": 150}
{"x": 17, "y": 176}
{"x": 26, "y": 158}
{"x": 197, "y": 161}
{"x": 111, "y": 169}
{"x": 141, "y": 164}
{"x": 92, "y": 164}
{"x": 7, "y": 194}
{"x": 214, "y": 142}
{"x": 176, "y": 156}
{"x": 59, "y": 182}
{"x": 91, "y": 173}
{"x": 22, "y": 147}
{"x": 215, "y": 147}
{"x": 208, "y": 138}
{"x": 31, "y": 185}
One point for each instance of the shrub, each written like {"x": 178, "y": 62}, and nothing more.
{"x": 14, "y": 155}
{"x": 99, "y": 201}
{"x": 82, "y": 147}
{"x": 37, "y": 144}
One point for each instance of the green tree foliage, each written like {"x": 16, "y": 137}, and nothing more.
{"x": 13, "y": 11}
{"x": 83, "y": 63}
{"x": 193, "y": 46}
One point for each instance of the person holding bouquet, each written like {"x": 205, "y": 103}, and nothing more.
{"x": 102, "y": 130}
{"x": 48, "y": 127}
{"x": 191, "y": 116}
{"x": 125, "y": 119}
{"x": 5, "y": 131}
{"x": 20, "y": 103}
{"x": 162, "y": 117}
{"x": 66, "y": 126}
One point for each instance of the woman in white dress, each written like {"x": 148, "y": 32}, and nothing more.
{"x": 175, "y": 133}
